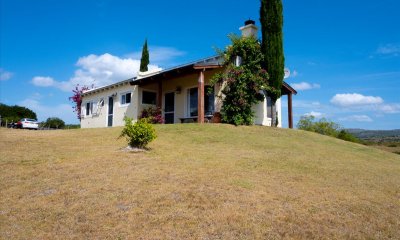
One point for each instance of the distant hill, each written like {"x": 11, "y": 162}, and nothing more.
{"x": 376, "y": 135}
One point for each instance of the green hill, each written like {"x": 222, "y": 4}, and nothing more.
{"x": 197, "y": 182}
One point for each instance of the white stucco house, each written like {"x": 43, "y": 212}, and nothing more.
{"x": 181, "y": 92}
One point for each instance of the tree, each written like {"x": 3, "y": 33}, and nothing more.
{"x": 77, "y": 99}
{"x": 54, "y": 122}
{"x": 271, "y": 18}
{"x": 144, "y": 61}
{"x": 15, "y": 113}
{"x": 242, "y": 84}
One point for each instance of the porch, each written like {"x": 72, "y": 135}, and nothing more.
{"x": 184, "y": 94}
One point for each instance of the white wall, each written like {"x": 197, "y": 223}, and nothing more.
{"x": 261, "y": 117}
{"x": 99, "y": 117}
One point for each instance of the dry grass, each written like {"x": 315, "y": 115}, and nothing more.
{"x": 197, "y": 182}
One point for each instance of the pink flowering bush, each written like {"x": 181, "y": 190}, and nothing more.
{"x": 153, "y": 115}
{"x": 77, "y": 98}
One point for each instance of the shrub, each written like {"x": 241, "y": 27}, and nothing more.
{"x": 138, "y": 134}
{"x": 345, "y": 135}
{"x": 54, "y": 122}
{"x": 325, "y": 127}
{"x": 154, "y": 115}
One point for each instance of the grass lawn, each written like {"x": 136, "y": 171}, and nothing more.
{"x": 197, "y": 182}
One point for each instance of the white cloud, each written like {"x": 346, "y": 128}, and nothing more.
{"x": 305, "y": 86}
{"x": 357, "y": 118}
{"x": 294, "y": 74}
{"x": 43, "y": 81}
{"x": 389, "y": 49}
{"x": 159, "y": 55}
{"x": 97, "y": 70}
{"x": 389, "y": 108}
{"x": 62, "y": 111}
{"x": 315, "y": 114}
{"x": 355, "y": 99}
{"x": 4, "y": 75}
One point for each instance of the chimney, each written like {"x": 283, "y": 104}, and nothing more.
{"x": 249, "y": 29}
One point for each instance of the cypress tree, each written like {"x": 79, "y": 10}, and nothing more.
{"x": 271, "y": 18}
{"x": 144, "y": 61}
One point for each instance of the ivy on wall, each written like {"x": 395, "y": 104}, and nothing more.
{"x": 244, "y": 82}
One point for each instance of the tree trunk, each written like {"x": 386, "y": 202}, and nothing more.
{"x": 273, "y": 114}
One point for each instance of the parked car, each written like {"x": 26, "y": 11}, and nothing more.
{"x": 28, "y": 124}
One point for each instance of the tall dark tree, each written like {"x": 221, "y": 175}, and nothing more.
{"x": 144, "y": 61}
{"x": 271, "y": 18}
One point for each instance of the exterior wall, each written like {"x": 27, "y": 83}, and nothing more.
{"x": 99, "y": 117}
{"x": 261, "y": 117}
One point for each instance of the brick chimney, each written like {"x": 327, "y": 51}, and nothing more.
{"x": 249, "y": 29}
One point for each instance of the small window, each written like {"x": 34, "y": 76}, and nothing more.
{"x": 149, "y": 97}
{"x": 125, "y": 98}
{"x": 89, "y": 108}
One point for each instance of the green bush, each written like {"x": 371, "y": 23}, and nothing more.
{"x": 54, "y": 122}
{"x": 345, "y": 135}
{"x": 325, "y": 127}
{"x": 138, "y": 134}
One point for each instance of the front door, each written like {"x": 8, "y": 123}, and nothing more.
{"x": 169, "y": 107}
{"x": 110, "y": 111}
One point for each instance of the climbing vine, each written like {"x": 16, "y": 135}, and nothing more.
{"x": 244, "y": 84}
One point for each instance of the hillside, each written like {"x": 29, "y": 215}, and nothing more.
{"x": 196, "y": 182}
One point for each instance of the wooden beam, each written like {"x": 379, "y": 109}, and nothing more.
{"x": 200, "y": 102}
{"x": 290, "y": 110}
{"x": 159, "y": 94}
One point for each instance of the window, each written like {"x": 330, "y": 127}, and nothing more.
{"x": 125, "y": 98}
{"x": 89, "y": 108}
{"x": 149, "y": 97}
{"x": 208, "y": 101}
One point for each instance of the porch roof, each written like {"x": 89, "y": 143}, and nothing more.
{"x": 206, "y": 63}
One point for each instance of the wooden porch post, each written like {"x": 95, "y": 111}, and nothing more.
{"x": 159, "y": 95}
{"x": 290, "y": 110}
{"x": 200, "y": 102}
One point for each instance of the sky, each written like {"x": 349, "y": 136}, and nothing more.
{"x": 344, "y": 55}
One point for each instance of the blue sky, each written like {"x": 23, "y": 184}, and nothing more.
{"x": 344, "y": 56}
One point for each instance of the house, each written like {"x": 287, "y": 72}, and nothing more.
{"x": 182, "y": 92}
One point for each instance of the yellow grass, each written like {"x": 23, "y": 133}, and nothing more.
{"x": 196, "y": 182}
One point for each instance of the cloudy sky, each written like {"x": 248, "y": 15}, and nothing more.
{"x": 344, "y": 56}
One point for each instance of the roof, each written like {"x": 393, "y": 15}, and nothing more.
{"x": 205, "y": 63}
{"x": 210, "y": 62}
{"x": 107, "y": 87}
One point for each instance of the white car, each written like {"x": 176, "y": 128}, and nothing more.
{"x": 28, "y": 123}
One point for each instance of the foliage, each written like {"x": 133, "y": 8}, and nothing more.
{"x": 271, "y": 18}
{"x": 325, "y": 127}
{"x": 15, "y": 113}
{"x": 77, "y": 98}
{"x": 144, "y": 61}
{"x": 138, "y": 134}
{"x": 153, "y": 115}
{"x": 54, "y": 122}
{"x": 345, "y": 135}
{"x": 244, "y": 85}
{"x": 72, "y": 126}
